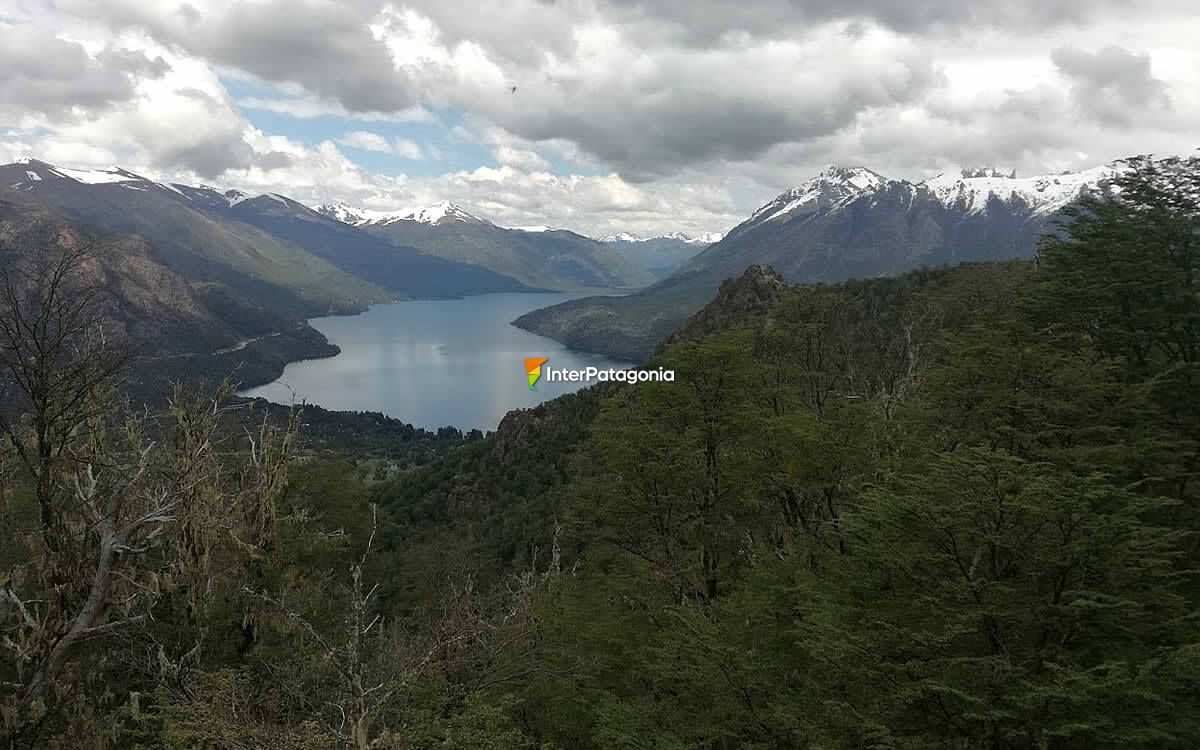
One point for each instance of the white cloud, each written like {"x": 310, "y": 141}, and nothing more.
{"x": 521, "y": 158}
{"x": 680, "y": 115}
{"x": 308, "y": 107}
{"x": 368, "y": 141}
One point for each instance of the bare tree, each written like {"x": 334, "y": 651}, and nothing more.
{"x": 122, "y": 498}
{"x": 474, "y": 640}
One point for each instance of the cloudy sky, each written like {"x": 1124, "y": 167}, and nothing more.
{"x": 599, "y": 115}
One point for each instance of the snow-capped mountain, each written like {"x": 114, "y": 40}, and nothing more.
{"x": 543, "y": 257}
{"x": 851, "y": 221}
{"x": 971, "y": 191}
{"x": 441, "y": 212}
{"x": 537, "y": 228}
{"x": 846, "y": 222}
{"x": 661, "y": 255}
{"x": 707, "y": 238}
{"x": 41, "y": 172}
{"x": 1044, "y": 194}
{"x": 622, "y": 237}
{"x": 830, "y": 189}
{"x": 343, "y": 212}
{"x": 38, "y": 171}
{"x": 267, "y": 249}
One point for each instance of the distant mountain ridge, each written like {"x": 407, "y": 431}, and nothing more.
{"x": 441, "y": 212}
{"x": 706, "y": 238}
{"x": 211, "y": 282}
{"x": 540, "y": 256}
{"x": 845, "y": 222}
{"x": 268, "y": 247}
{"x": 662, "y": 255}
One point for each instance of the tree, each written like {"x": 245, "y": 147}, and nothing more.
{"x": 995, "y": 602}
{"x": 126, "y": 504}
{"x": 1121, "y": 280}
{"x": 1124, "y": 271}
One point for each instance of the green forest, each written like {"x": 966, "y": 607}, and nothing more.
{"x": 952, "y": 509}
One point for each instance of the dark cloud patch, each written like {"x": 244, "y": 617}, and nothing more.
{"x": 727, "y": 104}
{"x": 133, "y": 62}
{"x": 40, "y": 73}
{"x": 209, "y": 157}
{"x": 1112, "y": 85}
{"x": 188, "y": 13}
{"x": 323, "y": 46}
{"x": 273, "y": 160}
{"x": 656, "y": 88}
{"x": 704, "y": 20}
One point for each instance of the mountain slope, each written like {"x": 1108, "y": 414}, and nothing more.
{"x": 844, "y": 223}
{"x": 145, "y": 303}
{"x": 267, "y": 248}
{"x": 397, "y": 268}
{"x": 193, "y": 240}
{"x": 543, "y": 258}
{"x": 177, "y": 329}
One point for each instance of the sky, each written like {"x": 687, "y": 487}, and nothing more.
{"x": 596, "y": 115}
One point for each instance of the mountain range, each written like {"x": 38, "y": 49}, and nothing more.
{"x": 206, "y": 280}
{"x": 659, "y": 256}
{"x": 218, "y": 268}
{"x": 844, "y": 223}
{"x": 539, "y": 257}
{"x": 268, "y": 248}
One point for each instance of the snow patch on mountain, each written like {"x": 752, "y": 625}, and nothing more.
{"x": 113, "y": 176}
{"x": 442, "y": 212}
{"x": 973, "y": 189}
{"x": 970, "y": 191}
{"x": 234, "y": 197}
{"x": 97, "y": 176}
{"x": 622, "y": 237}
{"x": 342, "y": 212}
{"x": 834, "y": 187}
{"x": 707, "y": 238}
{"x": 535, "y": 228}
{"x": 436, "y": 213}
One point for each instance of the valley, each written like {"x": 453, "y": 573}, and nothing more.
{"x": 211, "y": 283}
{"x": 833, "y": 461}
{"x": 599, "y": 375}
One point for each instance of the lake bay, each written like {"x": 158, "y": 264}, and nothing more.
{"x": 432, "y": 362}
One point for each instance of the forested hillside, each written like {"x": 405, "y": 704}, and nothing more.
{"x": 956, "y": 508}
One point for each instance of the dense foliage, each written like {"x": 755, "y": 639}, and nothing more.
{"x": 951, "y": 509}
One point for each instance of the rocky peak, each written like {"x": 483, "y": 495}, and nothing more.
{"x": 833, "y": 187}
{"x": 756, "y": 290}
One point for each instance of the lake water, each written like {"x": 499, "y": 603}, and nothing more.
{"x": 432, "y": 362}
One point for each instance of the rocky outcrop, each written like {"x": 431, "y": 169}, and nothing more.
{"x": 753, "y": 292}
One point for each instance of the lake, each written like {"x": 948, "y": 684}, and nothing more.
{"x": 432, "y": 362}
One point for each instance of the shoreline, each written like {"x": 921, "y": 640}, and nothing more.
{"x": 269, "y": 382}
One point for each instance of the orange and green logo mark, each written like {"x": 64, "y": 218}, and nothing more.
{"x": 533, "y": 366}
